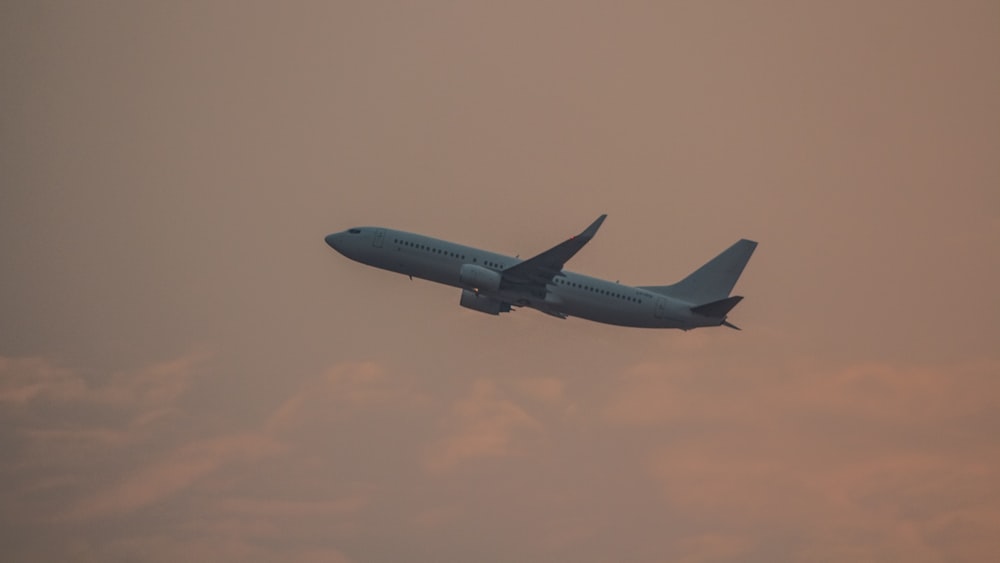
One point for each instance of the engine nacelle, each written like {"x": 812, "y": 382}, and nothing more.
{"x": 472, "y": 300}
{"x": 478, "y": 277}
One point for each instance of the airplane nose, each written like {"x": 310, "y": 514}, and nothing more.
{"x": 331, "y": 239}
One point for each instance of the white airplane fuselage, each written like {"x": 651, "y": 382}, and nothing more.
{"x": 567, "y": 294}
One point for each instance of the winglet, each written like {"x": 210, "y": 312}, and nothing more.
{"x": 590, "y": 231}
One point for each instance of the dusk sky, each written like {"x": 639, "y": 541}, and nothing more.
{"x": 188, "y": 373}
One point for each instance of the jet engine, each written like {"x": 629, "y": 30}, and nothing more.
{"x": 478, "y": 277}
{"x": 472, "y": 300}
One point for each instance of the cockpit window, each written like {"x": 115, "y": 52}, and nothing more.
{"x": 354, "y": 231}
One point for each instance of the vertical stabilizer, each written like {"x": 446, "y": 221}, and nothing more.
{"x": 713, "y": 281}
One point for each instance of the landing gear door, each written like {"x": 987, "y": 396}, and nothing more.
{"x": 379, "y": 238}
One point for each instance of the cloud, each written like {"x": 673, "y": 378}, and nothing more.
{"x": 63, "y": 422}
{"x": 66, "y": 427}
{"x": 166, "y": 548}
{"x": 23, "y": 380}
{"x": 320, "y": 401}
{"x": 488, "y": 425}
{"x": 543, "y": 389}
{"x": 90, "y": 449}
{"x": 342, "y": 390}
{"x": 178, "y": 470}
{"x": 870, "y": 461}
{"x": 280, "y": 508}
{"x": 26, "y": 380}
{"x": 654, "y": 393}
{"x": 873, "y": 461}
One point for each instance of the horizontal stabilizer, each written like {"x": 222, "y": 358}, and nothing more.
{"x": 718, "y": 309}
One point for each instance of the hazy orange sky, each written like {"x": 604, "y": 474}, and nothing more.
{"x": 187, "y": 372}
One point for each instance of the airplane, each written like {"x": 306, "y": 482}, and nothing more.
{"x": 495, "y": 283}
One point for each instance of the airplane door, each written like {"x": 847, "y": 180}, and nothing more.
{"x": 661, "y": 309}
{"x": 379, "y": 238}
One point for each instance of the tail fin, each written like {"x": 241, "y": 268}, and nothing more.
{"x": 713, "y": 281}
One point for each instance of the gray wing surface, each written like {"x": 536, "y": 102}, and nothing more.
{"x": 536, "y": 272}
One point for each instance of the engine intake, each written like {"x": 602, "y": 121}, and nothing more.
{"x": 472, "y": 300}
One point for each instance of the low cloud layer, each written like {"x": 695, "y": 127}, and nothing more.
{"x": 873, "y": 462}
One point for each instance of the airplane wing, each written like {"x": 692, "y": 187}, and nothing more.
{"x": 539, "y": 270}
